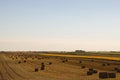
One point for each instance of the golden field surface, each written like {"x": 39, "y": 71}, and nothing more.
{"x": 91, "y": 57}
{"x": 21, "y": 66}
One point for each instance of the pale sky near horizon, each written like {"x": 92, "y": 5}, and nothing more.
{"x": 63, "y": 25}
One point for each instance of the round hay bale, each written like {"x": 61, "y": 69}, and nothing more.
{"x": 115, "y": 69}
{"x": 95, "y": 71}
{"x": 36, "y": 69}
{"x": 39, "y": 58}
{"x": 42, "y": 63}
{"x": 66, "y": 60}
{"x": 24, "y": 61}
{"x": 80, "y": 61}
{"x": 89, "y": 72}
{"x": 108, "y": 64}
{"x": 16, "y": 58}
{"x": 118, "y": 70}
{"x": 103, "y": 75}
{"x": 92, "y": 60}
{"x": 43, "y": 67}
{"x": 112, "y": 75}
{"x": 90, "y": 69}
{"x": 103, "y": 64}
{"x": 19, "y": 62}
{"x": 63, "y": 61}
{"x": 50, "y": 63}
{"x": 82, "y": 67}
{"x": 26, "y": 58}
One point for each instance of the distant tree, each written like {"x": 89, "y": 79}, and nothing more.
{"x": 80, "y": 51}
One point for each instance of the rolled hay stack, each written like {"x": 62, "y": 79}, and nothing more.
{"x": 42, "y": 63}
{"x": 103, "y": 64}
{"x": 24, "y": 61}
{"x": 91, "y": 71}
{"x": 112, "y": 75}
{"x": 16, "y": 57}
{"x": 36, "y": 69}
{"x": 115, "y": 69}
{"x": 108, "y": 64}
{"x": 63, "y": 61}
{"x": 92, "y": 60}
{"x": 103, "y": 75}
{"x": 118, "y": 70}
{"x": 42, "y": 66}
{"x": 26, "y": 58}
{"x": 50, "y": 63}
{"x": 39, "y": 58}
{"x": 19, "y": 62}
{"x": 66, "y": 60}
{"x": 82, "y": 67}
{"x": 95, "y": 71}
{"x": 80, "y": 62}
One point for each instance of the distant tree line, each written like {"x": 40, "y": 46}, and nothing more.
{"x": 80, "y": 51}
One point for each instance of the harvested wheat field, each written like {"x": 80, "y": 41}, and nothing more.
{"x": 45, "y": 66}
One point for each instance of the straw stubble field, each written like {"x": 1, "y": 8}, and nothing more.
{"x": 21, "y": 66}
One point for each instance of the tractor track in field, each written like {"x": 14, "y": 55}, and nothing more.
{"x": 15, "y": 71}
{"x": 9, "y": 71}
{"x": 6, "y": 69}
{"x": 1, "y": 75}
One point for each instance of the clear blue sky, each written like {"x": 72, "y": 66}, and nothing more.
{"x": 59, "y": 24}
